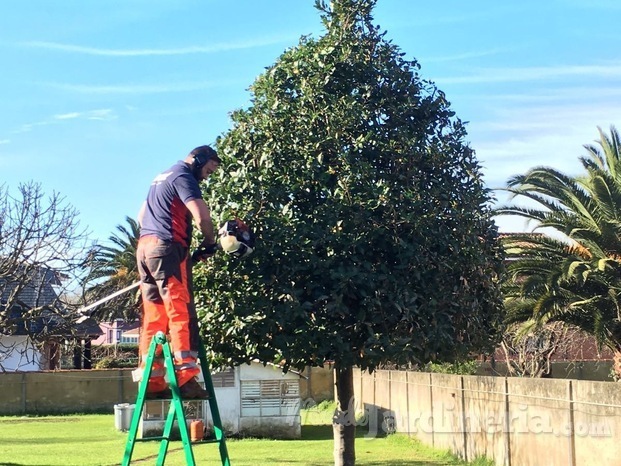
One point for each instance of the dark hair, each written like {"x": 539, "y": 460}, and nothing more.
{"x": 202, "y": 155}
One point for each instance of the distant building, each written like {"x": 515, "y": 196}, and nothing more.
{"x": 40, "y": 342}
{"x": 118, "y": 331}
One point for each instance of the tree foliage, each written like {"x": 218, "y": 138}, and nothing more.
{"x": 572, "y": 277}
{"x": 375, "y": 241}
{"x": 111, "y": 268}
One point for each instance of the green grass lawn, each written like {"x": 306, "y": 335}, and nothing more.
{"x": 85, "y": 440}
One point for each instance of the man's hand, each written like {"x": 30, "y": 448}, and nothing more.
{"x": 204, "y": 252}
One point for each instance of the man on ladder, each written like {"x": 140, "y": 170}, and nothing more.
{"x": 173, "y": 201}
{"x": 165, "y": 268}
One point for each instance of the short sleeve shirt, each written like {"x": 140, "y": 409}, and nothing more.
{"x": 166, "y": 215}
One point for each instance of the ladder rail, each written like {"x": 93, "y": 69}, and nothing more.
{"x": 213, "y": 407}
{"x": 142, "y": 390}
{"x": 175, "y": 410}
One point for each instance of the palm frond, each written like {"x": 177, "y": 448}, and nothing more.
{"x": 575, "y": 279}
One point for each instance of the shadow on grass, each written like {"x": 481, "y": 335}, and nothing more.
{"x": 405, "y": 463}
{"x": 365, "y": 463}
{"x": 316, "y": 432}
{"x": 325, "y": 433}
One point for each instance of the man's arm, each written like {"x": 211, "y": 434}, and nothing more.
{"x": 143, "y": 208}
{"x": 202, "y": 217}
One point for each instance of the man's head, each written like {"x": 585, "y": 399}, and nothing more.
{"x": 203, "y": 161}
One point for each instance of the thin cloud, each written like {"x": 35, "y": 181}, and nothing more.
{"x": 66, "y": 116}
{"x": 27, "y": 127}
{"x": 138, "y": 88}
{"x": 464, "y": 56}
{"x": 557, "y": 94}
{"x": 569, "y": 118}
{"x": 496, "y": 75}
{"x": 98, "y": 114}
{"x": 102, "y": 114}
{"x": 599, "y": 4}
{"x": 189, "y": 50}
{"x": 5, "y": 141}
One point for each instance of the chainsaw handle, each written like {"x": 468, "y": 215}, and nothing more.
{"x": 201, "y": 252}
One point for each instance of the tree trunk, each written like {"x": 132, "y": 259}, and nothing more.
{"x": 616, "y": 364}
{"x": 344, "y": 421}
{"x": 87, "y": 354}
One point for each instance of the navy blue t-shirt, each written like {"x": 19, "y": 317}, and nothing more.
{"x": 166, "y": 215}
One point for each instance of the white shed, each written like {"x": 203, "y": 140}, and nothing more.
{"x": 253, "y": 400}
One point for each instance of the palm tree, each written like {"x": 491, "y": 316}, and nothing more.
{"x": 112, "y": 268}
{"x": 576, "y": 278}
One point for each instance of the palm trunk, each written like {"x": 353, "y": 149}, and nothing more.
{"x": 343, "y": 423}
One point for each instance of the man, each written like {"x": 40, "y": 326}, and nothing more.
{"x": 165, "y": 218}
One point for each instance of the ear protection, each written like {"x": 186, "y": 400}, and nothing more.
{"x": 202, "y": 157}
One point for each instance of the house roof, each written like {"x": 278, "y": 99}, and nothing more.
{"x": 87, "y": 327}
{"x": 28, "y": 289}
{"x": 279, "y": 366}
{"x": 133, "y": 331}
{"x": 37, "y": 291}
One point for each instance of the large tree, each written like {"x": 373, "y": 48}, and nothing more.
{"x": 375, "y": 238}
{"x": 573, "y": 276}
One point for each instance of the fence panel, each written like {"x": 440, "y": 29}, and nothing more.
{"x": 514, "y": 421}
{"x": 486, "y": 419}
{"x": 448, "y": 412}
{"x": 597, "y": 422}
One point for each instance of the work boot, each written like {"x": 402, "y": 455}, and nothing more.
{"x": 165, "y": 394}
{"x": 192, "y": 390}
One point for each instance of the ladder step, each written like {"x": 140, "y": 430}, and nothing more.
{"x": 210, "y": 441}
{"x": 148, "y": 439}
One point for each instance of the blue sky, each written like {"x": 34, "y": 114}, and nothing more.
{"x": 97, "y": 97}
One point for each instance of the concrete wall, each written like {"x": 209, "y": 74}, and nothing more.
{"x": 599, "y": 370}
{"x": 65, "y": 391}
{"x": 70, "y": 391}
{"x": 513, "y": 421}
{"x": 318, "y": 384}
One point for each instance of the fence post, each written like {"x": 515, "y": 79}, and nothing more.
{"x": 24, "y": 393}
{"x": 462, "y": 387}
{"x": 407, "y": 402}
{"x": 433, "y": 430}
{"x": 572, "y": 429}
{"x": 391, "y": 411}
{"x": 507, "y": 423}
{"x": 361, "y": 385}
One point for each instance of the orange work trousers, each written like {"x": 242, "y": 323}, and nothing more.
{"x": 168, "y": 306}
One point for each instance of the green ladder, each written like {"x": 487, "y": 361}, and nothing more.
{"x": 176, "y": 408}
